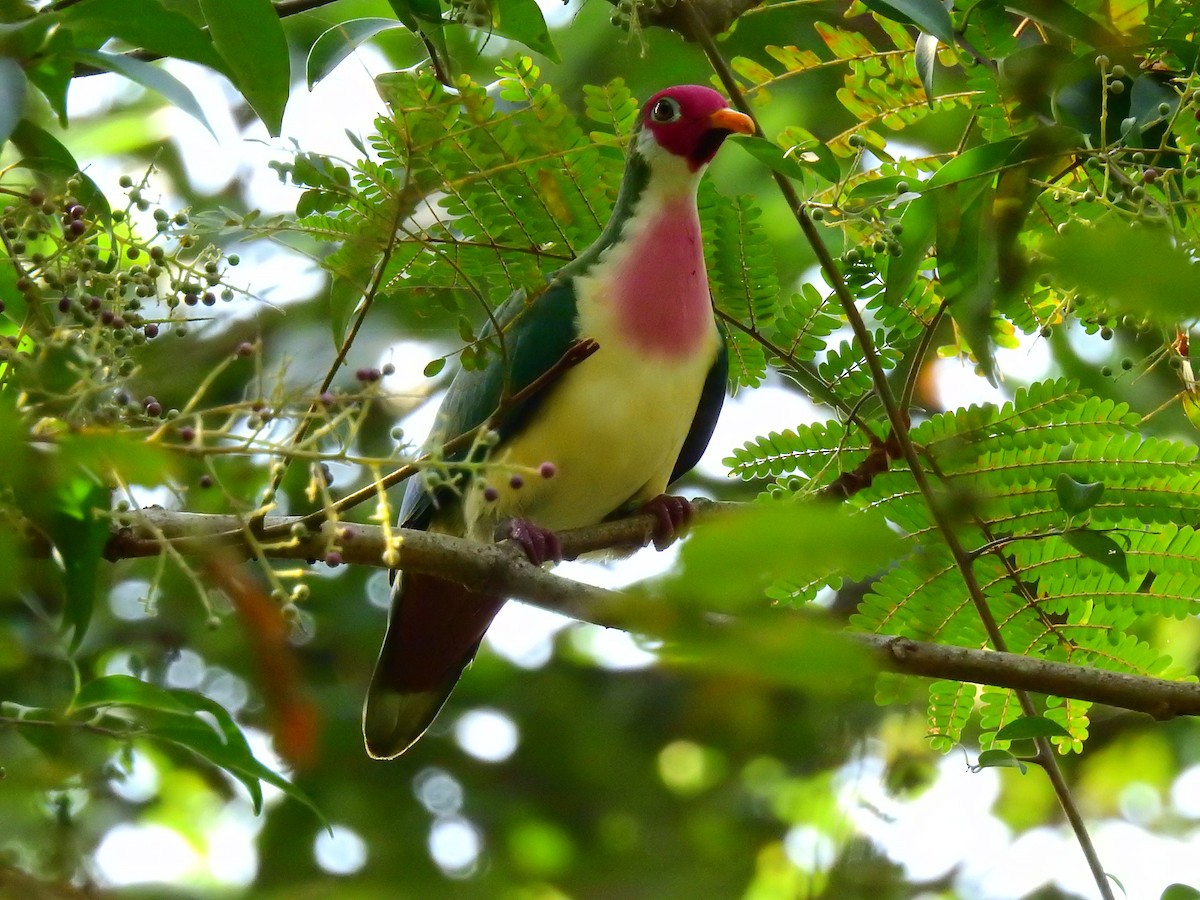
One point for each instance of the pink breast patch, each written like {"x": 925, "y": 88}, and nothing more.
{"x": 662, "y": 297}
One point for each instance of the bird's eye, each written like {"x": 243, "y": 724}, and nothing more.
{"x": 665, "y": 110}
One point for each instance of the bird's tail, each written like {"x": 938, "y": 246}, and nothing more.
{"x": 433, "y": 632}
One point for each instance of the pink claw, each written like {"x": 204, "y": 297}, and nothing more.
{"x": 674, "y": 514}
{"x": 540, "y": 544}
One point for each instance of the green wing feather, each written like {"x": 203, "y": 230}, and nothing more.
{"x": 535, "y": 333}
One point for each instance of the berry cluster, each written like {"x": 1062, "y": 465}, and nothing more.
{"x": 89, "y": 290}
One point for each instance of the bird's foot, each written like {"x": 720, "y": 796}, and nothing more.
{"x": 540, "y": 544}
{"x": 674, "y": 514}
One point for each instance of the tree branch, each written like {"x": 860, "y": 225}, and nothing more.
{"x": 503, "y": 568}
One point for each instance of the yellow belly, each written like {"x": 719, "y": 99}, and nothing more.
{"x": 612, "y": 429}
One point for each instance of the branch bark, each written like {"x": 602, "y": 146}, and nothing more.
{"x": 503, "y": 567}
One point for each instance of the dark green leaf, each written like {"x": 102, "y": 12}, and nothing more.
{"x": 999, "y": 758}
{"x": 1098, "y": 547}
{"x": 152, "y": 77}
{"x": 125, "y": 690}
{"x": 522, "y": 21}
{"x": 44, "y": 154}
{"x": 250, "y": 38}
{"x": 78, "y": 527}
{"x": 171, "y": 715}
{"x": 12, "y": 88}
{"x": 145, "y": 25}
{"x": 796, "y": 162}
{"x": 124, "y": 455}
{"x": 225, "y": 747}
{"x": 928, "y": 15}
{"x": 1076, "y": 497}
{"x": 406, "y": 10}
{"x": 344, "y": 297}
{"x": 339, "y": 42}
{"x": 1028, "y": 727}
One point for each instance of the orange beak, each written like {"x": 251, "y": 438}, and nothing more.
{"x": 732, "y": 120}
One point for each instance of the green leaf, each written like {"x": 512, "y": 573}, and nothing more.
{"x": 171, "y": 716}
{"x": 434, "y": 366}
{"x": 796, "y": 162}
{"x": 928, "y": 15}
{"x": 19, "y": 41}
{"x": 146, "y": 25}
{"x": 735, "y": 557}
{"x": 1077, "y": 497}
{"x": 919, "y": 219}
{"x": 339, "y": 42}
{"x": 1095, "y": 260}
{"x": 125, "y": 690}
{"x": 1098, "y": 547}
{"x": 12, "y": 87}
{"x": 522, "y": 21}
{"x": 999, "y": 758}
{"x": 968, "y": 264}
{"x": 52, "y": 74}
{"x": 786, "y": 649}
{"x": 80, "y": 535}
{"x": 152, "y": 77}
{"x": 250, "y": 38}
{"x": 1179, "y": 891}
{"x": 1029, "y": 727}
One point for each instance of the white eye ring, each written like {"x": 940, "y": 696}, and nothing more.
{"x": 665, "y": 110}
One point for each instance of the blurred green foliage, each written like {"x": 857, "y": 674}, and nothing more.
{"x": 1033, "y": 182}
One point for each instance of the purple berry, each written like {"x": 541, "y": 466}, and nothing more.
{"x": 151, "y": 330}
{"x": 547, "y": 470}
{"x": 244, "y": 349}
{"x": 490, "y": 494}
{"x": 187, "y": 434}
{"x": 333, "y": 559}
{"x": 206, "y": 481}
{"x": 516, "y": 482}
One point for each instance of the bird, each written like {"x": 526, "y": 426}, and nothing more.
{"x": 606, "y": 389}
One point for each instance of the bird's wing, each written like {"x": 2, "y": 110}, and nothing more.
{"x": 712, "y": 396}
{"x": 535, "y": 334}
